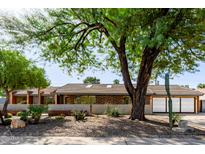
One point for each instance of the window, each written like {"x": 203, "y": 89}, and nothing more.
{"x": 21, "y": 100}
{"x": 48, "y": 100}
{"x": 85, "y": 100}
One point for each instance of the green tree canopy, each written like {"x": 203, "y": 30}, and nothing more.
{"x": 116, "y": 81}
{"x": 1, "y": 93}
{"x": 16, "y": 72}
{"x": 201, "y": 85}
{"x": 91, "y": 80}
{"x": 136, "y": 42}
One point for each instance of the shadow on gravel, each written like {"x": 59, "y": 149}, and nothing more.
{"x": 44, "y": 126}
{"x": 99, "y": 127}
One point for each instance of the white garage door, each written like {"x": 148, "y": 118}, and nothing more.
{"x": 175, "y": 105}
{"x": 203, "y": 105}
{"x": 187, "y": 104}
{"x": 159, "y": 105}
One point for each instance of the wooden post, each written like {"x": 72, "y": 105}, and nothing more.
{"x": 151, "y": 104}
{"x": 196, "y": 104}
{"x": 56, "y": 99}
{"x": 27, "y": 98}
{"x": 11, "y": 98}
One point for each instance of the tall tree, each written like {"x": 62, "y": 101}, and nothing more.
{"x": 201, "y": 85}
{"x": 38, "y": 80}
{"x": 1, "y": 93}
{"x": 16, "y": 72}
{"x": 116, "y": 81}
{"x": 138, "y": 43}
{"x": 92, "y": 80}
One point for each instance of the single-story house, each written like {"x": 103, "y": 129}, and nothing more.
{"x": 202, "y": 99}
{"x": 185, "y": 100}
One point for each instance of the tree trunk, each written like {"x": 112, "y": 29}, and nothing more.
{"x": 4, "y": 111}
{"x": 139, "y": 94}
{"x": 1, "y": 117}
{"x": 39, "y": 96}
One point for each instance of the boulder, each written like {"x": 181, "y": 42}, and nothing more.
{"x": 17, "y": 123}
{"x": 183, "y": 124}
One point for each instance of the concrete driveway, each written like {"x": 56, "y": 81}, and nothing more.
{"x": 194, "y": 120}
{"x": 5, "y": 140}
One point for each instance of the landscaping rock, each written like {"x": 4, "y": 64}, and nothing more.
{"x": 179, "y": 130}
{"x": 183, "y": 124}
{"x": 17, "y": 123}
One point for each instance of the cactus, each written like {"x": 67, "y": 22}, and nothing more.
{"x": 169, "y": 99}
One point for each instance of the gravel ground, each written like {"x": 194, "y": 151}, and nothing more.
{"x": 97, "y": 126}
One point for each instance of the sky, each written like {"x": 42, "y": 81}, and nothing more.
{"x": 59, "y": 77}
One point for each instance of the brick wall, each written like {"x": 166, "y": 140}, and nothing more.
{"x": 69, "y": 99}
{"x": 109, "y": 99}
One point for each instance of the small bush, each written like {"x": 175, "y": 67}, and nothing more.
{"x": 35, "y": 111}
{"x": 60, "y": 118}
{"x": 18, "y": 114}
{"x": 9, "y": 115}
{"x": 7, "y": 121}
{"x": 112, "y": 112}
{"x": 80, "y": 115}
{"x": 175, "y": 118}
{"x": 23, "y": 115}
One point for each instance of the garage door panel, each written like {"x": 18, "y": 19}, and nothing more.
{"x": 175, "y": 105}
{"x": 187, "y": 104}
{"x": 203, "y": 105}
{"x": 159, "y": 105}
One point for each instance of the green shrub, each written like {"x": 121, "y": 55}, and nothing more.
{"x": 60, "y": 118}
{"x": 7, "y": 121}
{"x": 35, "y": 111}
{"x": 175, "y": 118}
{"x": 18, "y": 114}
{"x": 112, "y": 112}
{"x": 23, "y": 115}
{"x": 80, "y": 115}
{"x": 9, "y": 115}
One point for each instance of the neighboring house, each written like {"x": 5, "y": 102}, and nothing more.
{"x": 2, "y": 100}
{"x": 185, "y": 100}
{"x": 202, "y": 99}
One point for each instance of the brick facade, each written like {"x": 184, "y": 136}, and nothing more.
{"x": 109, "y": 99}
{"x": 69, "y": 99}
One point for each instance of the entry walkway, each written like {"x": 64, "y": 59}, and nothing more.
{"x": 100, "y": 140}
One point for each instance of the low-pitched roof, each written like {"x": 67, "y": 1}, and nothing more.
{"x": 203, "y": 91}
{"x": 108, "y": 89}
{"x": 34, "y": 92}
{"x": 119, "y": 89}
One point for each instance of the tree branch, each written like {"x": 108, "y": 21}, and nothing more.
{"x": 85, "y": 33}
{"x": 105, "y": 31}
{"x": 111, "y": 21}
{"x": 124, "y": 66}
{"x": 50, "y": 29}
